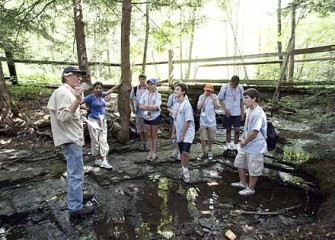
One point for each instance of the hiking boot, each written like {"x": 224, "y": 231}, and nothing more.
{"x": 85, "y": 210}
{"x": 186, "y": 176}
{"x": 87, "y": 196}
{"x": 105, "y": 164}
{"x": 174, "y": 153}
{"x": 239, "y": 185}
{"x": 201, "y": 156}
{"x": 210, "y": 155}
{"x": 246, "y": 192}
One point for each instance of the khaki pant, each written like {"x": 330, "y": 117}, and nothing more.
{"x": 99, "y": 138}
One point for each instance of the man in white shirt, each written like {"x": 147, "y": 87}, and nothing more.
{"x": 67, "y": 131}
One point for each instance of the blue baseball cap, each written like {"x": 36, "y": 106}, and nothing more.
{"x": 152, "y": 80}
{"x": 73, "y": 70}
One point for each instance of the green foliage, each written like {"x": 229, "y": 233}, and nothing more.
{"x": 28, "y": 91}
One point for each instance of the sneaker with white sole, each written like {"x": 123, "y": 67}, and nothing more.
{"x": 239, "y": 184}
{"x": 105, "y": 164}
{"x": 149, "y": 158}
{"x": 98, "y": 162}
{"x": 210, "y": 155}
{"x": 174, "y": 153}
{"x": 246, "y": 192}
{"x": 178, "y": 156}
{"x": 186, "y": 176}
{"x": 201, "y": 156}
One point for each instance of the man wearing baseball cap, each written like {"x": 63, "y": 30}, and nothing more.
{"x": 67, "y": 132}
{"x": 207, "y": 104}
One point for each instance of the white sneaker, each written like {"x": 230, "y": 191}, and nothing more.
{"x": 178, "y": 157}
{"x": 210, "y": 155}
{"x": 98, "y": 162}
{"x": 105, "y": 164}
{"x": 246, "y": 192}
{"x": 174, "y": 153}
{"x": 239, "y": 185}
{"x": 186, "y": 176}
{"x": 201, "y": 156}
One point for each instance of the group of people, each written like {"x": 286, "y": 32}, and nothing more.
{"x": 67, "y": 128}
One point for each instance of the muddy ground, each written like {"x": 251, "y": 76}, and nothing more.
{"x": 139, "y": 200}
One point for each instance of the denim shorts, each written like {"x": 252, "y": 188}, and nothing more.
{"x": 234, "y": 121}
{"x": 184, "y": 147}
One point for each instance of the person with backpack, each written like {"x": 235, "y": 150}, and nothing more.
{"x": 97, "y": 114}
{"x": 135, "y": 96}
{"x": 207, "y": 104}
{"x": 231, "y": 100}
{"x": 253, "y": 144}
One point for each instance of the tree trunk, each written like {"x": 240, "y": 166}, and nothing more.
{"x": 80, "y": 39}
{"x": 8, "y": 109}
{"x": 291, "y": 59}
{"x": 11, "y": 67}
{"x": 147, "y": 28}
{"x": 125, "y": 87}
{"x": 188, "y": 72}
{"x": 279, "y": 35}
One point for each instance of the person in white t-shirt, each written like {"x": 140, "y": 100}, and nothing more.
{"x": 183, "y": 129}
{"x": 207, "y": 104}
{"x": 231, "y": 100}
{"x": 253, "y": 144}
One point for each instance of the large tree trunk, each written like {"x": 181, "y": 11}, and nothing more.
{"x": 125, "y": 87}
{"x": 8, "y": 109}
{"x": 80, "y": 39}
{"x": 147, "y": 28}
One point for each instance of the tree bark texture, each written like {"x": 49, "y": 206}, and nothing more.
{"x": 8, "y": 109}
{"x": 80, "y": 39}
{"x": 125, "y": 87}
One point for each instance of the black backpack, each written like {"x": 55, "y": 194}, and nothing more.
{"x": 272, "y": 137}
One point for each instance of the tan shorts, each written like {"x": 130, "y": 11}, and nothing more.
{"x": 140, "y": 125}
{"x": 254, "y": 163}
{"x": 208, "y": 133}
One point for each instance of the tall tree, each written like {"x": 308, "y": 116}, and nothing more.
{"x": 80, "y": 39}
{"x": 125, "y": 87}
{"x": 8, "y": 109}
{"x": 279, "y": 31}
{"x": 146, "y": 40}
{"x": 291, "y": 57}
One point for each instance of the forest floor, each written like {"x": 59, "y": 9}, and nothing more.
{"x": 34, "y": 145}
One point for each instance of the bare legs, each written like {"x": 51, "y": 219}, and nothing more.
{"x": 152, "y": 138}
{"x": 243, "y": 178}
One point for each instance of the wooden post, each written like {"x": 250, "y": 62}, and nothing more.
{"x": 170, "y": 77}
{"x": 290, "y": 47}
